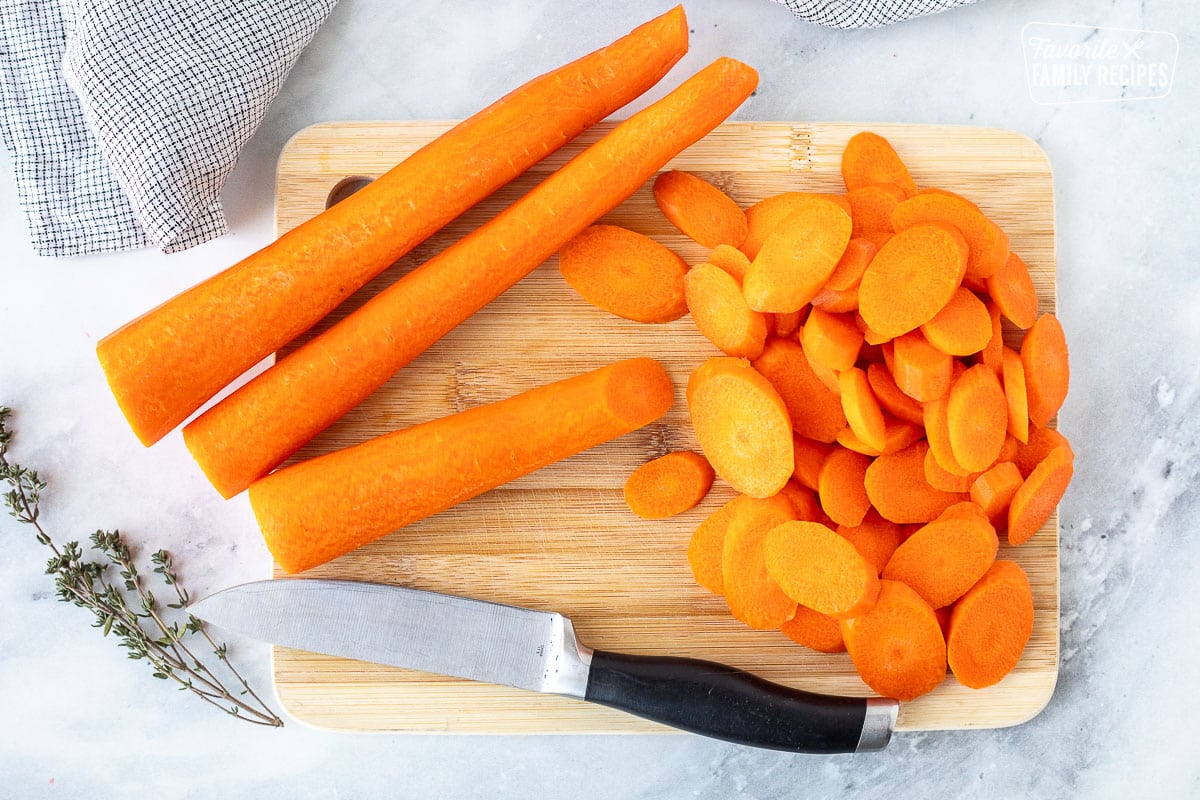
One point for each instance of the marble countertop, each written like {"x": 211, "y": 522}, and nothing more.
{"x": 82, "y": 721}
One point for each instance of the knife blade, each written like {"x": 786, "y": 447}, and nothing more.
{"x": 538, "y": 651}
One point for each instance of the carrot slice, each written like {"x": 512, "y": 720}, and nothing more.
{"x": 787, "y": 324}
{"x": 922, "y": 371}
{"x": 1047, "y": 372}
{"x": 625, "y": 273}
{"x": 1038, "y": 496}
{"x": 987, "y": 242}
{"x": 849, "y": 270}
{"x": 831, "y": 340}
{"x": 993, "y": 354}
{"x": 862, "y": 409}
{"x": 870, "y": 159}
{"x": 720, "y": 312}
{"x": 897, "y": 487}
{"x": 990, "y": 626}
{"x": 766, "y": 215}
{"x": 994, "y": 489}
{"x": 872, "y": 211}
{"x": 820, "y": 570}
{"x": 814, "y": 630}
{"x": 1012, "y": 290}
{"x": 962, "y": 327}
{"x": 875, "y": 539}
{"x": 897, "y": 647}
{"x": 1009, "y": 451}
{"x": 731, "y": 260}
{"x": 804, "y": 502}
{"x": 668, "y": 485}
{"x": 945, "y": 480}
{"x": 815, "y": 410}
{"x": 707, "y": 546}
{"x": 257, "y": 427}
{"x": 911, "y": 278}
{"x": 317, "y": 510}
{"x": 1015, "y": 395}
{"x": 699, "y": 210}
{"x": 937, "y": 431}
{"x": 841, "y": 486}
{"x": 977, "y": 418}
{"x": 833, "y": 301}
{"x": 742, "y": 424}
{"x": 798, "y": 257}
{"x": 1041, "y": 442}
{"x": 945, "y": 558}
{"x": 891, "y": 398}
{"x": 897, "y": 435}
{"x": 808, "y": 457}
{"x": 751, "y": 593}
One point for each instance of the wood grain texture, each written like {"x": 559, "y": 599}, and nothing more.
{"x": 562, "y": 539}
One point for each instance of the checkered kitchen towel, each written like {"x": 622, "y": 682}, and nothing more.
{"x": 124, "y": 119}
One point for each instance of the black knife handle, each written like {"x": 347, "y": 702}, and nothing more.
{"x": 728, "y": 703}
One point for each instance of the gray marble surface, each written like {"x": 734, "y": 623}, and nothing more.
{"x": 80, "y": 721}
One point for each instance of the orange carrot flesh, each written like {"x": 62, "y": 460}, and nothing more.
{"x": 875, "y": 539}
{"x": 831, "y": 340}
{"x": 862, "y": 409}
{"x": 751, "y": 593}
{"x": 814, "y": 630}
{"x": 805, "y": 503}
{"x": 262, "y": 423}
{"x": 731, "y": 260}
{"x": 815, "y": 410}
{"x": 993, "y": 354}
{"x": 808, "y": 456}
{"x": 742, "y": 424}
{"x": 317, "y": 510}
{"x": 849, "y": 270}
{"x": 922, "y": 371}
{"x": 1047, "y": 372}
{"x": 625, "y": 273}
{"x": 1041, "y": 442}
{"x": 872, "y": 211}
{"x": 945, "y": 558}
{"x": 1015, "y": 395}
{"x": 765, "y": 216}
{"x": 962, "y": 327}
{"x": 1012, "y": 290}
{"x": 833, "y": 301}
{"x": 700, "y": 210}
{"x": 870, "y": 159}
{"x": 944, "y": 480}
{"x": 990, "y": 626}
{"x": 706, "y": 548}
{"x": 1009, "y": 451}
{"x": 788, "y": 324}
{"x": 993, "y": 491}
{"x": 820, "y": 570}
{"x": 668, "y": 485}
{"x": 987, "y": 242}
{"x": 848, "y": 440}
{"x": 165, "y": 364}
{"x": 841, "y": 487}
{"x": 937, "y": 432}
{"x": 891, "y": 398}
{"x": 899, "y": 434}
{"x": 1035, "y": 501}
{"x": 911, "y": 278}
{"x": 977, "y": 418}
{"x": 897, "y": 488}
{"x": 719, "y": 311}
{"x": 798, "y": 257}
{"x": 897, "y": 647}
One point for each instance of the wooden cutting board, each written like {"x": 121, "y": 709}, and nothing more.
{"x": 562, "y": 539}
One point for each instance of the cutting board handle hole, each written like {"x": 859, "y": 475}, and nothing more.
{"x": 344, "y": 188}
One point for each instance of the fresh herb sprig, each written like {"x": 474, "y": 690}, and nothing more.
{"x": 126, "y": 608}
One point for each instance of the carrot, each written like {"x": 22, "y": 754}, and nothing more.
{"x": 765, "y": 216}
{"x": 993, "y": 491}
{"x": 1012, "y": 290}
{"x": 1015, "y": 395}
{"x": 897, "y": 647}
{"x": 922, "y": 371}
{"x": 977, "y": 418}
{"x": 841, "y": 488}
{"x": 848, "y": 440}
{"x": 831, "y": 340}
{"x": 731, "y": 260}
{"x": 946, "y": 557}
{"x": 987, "y": 242}
{"x": 911, "y": 278}
{"x": 993, "y": 354}
{"x": 945, "y": 480}
{"x": 853, "y": 263}
{"x": 668, "y": 485}
{"x": 625, "y": 273}
{"x": 815, "y": 410}
{"x": 1041, "y": 442}
{"x": 257, "y": 427}
{"x": 707, "y": 545}
{"x": 833, "y": 301}
{"x": 871, "y": 337}
{"x": 891, "y": 398}
{"x": 742, "y": 424}
{"x": 962, "y": 327}
{"x": 808, "y": 457}
{"x": 788, "y": 324}
{"x": 1009, "y": 451}
{"x": 750, "y": 591}
{"x": 870, "y": 159}
{"x": 798, "y": 257}
{"x": 872, "y": 210}
{"x": 1038, "y": 496}
{"x": 937, "y": 431}
{"x": 875, "y": 539}
{"x": 990, "y": 626}
{"x": 804, "y": 502}
{"x": 317, "y": 510}
{"x": 699, "y": 210}
{"x": 814, "y": 630}
{"x": 165, "y": 364}
{"x": 720, "y": 312}
{"x": 862, "y": 409}
{"x": 899, "y": 434}
{"x": 1047, "y": 372}
{"x": 820, "y": 570}
{"x": 897, "y": 488}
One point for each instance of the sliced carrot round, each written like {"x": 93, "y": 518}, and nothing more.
{"x": 896, "y": 486}
{"x": 977, "y": 418}
{"x": 862, "y": 409}
{"x": 832, "y": 340}
{"x": 1013, "y": 292}
{"x": 993, "y": 354}
{"x": 922, "y": 371}
{"x": 897, "y": 647}
{"x": 990, "y": 626}
{"x": 962, "y": 327}
{"x": 706, "y": 546}
{"x": 668, "y": 485}
{"x": 720, "y": 312}
{"x": 804, "y": 502}
{"x": 1015, "y": 395}
{"x": 890, "y": 397}
{"x": 853, "y": 263}
{"x": 1035, "y": 501}
{"x": 625, "y": 273}
{"x": 841, "y": 486}
{"x": 700, "y": 210}
{"x": 731, "y": 260}
{"x": 814, "y": 409}
{"x": 872, "y": 210}
{"x": 808, "y": 456}
{"x": 751, "y": 594}
{"x": 987, "y": 242}
{"x": 911, "y": 278}
{"x": 945, "y": 558}
{"x": 946, "y": 481}
{"x": 870, "y": 159}
{"x": 766, "y": 215}
{"x": 876, "y": 539}
{"x": 994, "y": 490}
{"x": 1047, "y": 372}
{"x": 814, "y": 630}
{"x": 1041, "y": 442}
{"x": 798, "y": 257}
{"x": 821, "y": 570}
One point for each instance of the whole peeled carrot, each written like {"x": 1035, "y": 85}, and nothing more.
{"x": 165, "y": 364}
{"x": 317, "y": 510}
{"x": 253, "y": 430}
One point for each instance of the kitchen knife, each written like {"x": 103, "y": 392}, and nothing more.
{"x": 537, "y": 650}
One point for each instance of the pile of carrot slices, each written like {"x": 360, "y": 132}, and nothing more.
{"x": 880, "y": 432}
